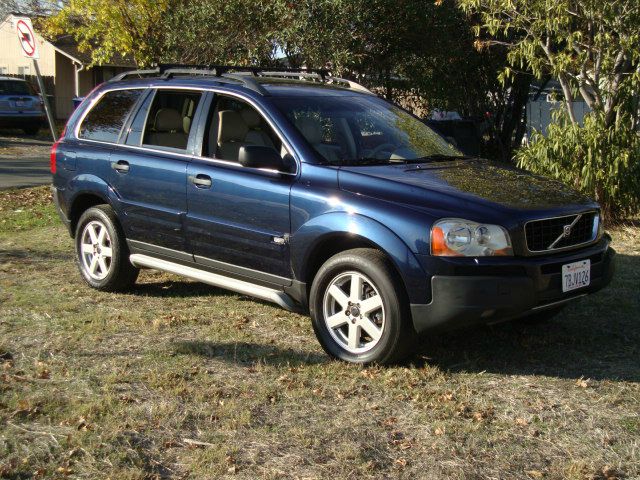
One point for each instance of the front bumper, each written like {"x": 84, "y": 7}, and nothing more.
{"x": 465, "y": 293}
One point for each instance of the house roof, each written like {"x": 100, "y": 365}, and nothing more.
{"x": 68, "y": 46}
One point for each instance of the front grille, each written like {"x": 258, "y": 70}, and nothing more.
{"x": 541, "y": 234}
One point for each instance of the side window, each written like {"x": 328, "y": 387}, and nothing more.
{"x": 106, "y": 119}
{"x": 232, "y": 124}
{"x": 328, "y": 132}
{"x": 170, "y": 118}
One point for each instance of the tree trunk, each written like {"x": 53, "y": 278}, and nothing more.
{"x": 512, "y": 127}
{"x": 568, "y": 97}
{"x": 387, "y": 85}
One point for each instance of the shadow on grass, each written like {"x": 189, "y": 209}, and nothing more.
{"x": 32, "y": 256}
{"x": 248, "y": 354}
{"x": 186, "y": 289}
{"x": 179, "y": 289}
{"x": 597, "y": 337}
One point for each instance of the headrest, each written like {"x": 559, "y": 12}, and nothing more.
{"x": 310, "y": 129}
{"x": 168, "y": 120}
{"x": 231, "y": 127}
{"x": 251, "y": 117}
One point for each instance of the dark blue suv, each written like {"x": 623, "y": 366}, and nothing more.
{"x": 309, "y": 191}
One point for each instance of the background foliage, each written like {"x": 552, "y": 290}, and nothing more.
{"x": 593, "y": 48}
{"x": 476, "y": 57}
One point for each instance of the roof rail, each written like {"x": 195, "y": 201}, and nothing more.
{"x": 136, "y": 74}
{"x": 245, "y": 75}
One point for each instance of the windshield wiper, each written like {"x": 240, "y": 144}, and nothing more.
{"x": 438, "y": 157}
{"x": 368, "y": 161}
{"x": 356, "y": 162}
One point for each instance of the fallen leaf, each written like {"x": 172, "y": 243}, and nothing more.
{"x": 582, "y": 383}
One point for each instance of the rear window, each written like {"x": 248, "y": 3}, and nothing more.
{"x": 14, "y": 87}
{"x": 105, "y": 120}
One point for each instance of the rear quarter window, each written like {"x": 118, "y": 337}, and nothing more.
{"x": 105, "y": 120}
{"x": 14, "y": 87}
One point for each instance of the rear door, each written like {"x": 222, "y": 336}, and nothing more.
{"x": 149, "y": 172}
{"x": 238, "y": 218}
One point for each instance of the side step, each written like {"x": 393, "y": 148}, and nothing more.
{"x": 264, "y": 293}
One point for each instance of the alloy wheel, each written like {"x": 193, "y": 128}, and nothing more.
{"x": 95, "y": 250}
{"x": 354, "y": 312}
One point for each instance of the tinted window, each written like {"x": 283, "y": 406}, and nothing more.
{"x": 106, "y": 119}
{"x": 14, "y": 87}
{"x": 363, "y": 130}
{"x": 170, "y": 118}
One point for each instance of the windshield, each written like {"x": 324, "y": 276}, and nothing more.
{"x": 363, "y": 130}
{"x": 14, "y": 87}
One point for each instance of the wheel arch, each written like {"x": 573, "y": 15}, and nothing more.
{"x": 81, "y": 202}
{"x": 324, "y": 236}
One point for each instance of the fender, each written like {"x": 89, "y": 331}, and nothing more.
{"x": 304, "y": 242}
{"x": 90, "y": 185}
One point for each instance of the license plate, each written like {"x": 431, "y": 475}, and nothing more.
{"x": 20, "y": 103}
{"x": 576, "y": 275}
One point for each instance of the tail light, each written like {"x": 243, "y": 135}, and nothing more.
{"x": 52, "y": 156}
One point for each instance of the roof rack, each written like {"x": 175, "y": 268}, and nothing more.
{"x": 135, "y": 74}
{"x": 244, "y": 75}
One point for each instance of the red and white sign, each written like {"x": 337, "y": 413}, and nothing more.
{"x": 27, "y": 38}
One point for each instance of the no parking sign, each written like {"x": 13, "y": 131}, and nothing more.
{"x": 29, "y": 46}
{"x": 27, "y": 38}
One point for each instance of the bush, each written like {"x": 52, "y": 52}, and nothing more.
{"x": 603, "y": 163}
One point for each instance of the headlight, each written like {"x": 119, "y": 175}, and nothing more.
{"x": 455, "y": 237}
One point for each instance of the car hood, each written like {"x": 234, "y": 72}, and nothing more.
{"x": 478, "y": 181}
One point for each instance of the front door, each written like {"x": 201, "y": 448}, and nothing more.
{"x": 238, "y": 217}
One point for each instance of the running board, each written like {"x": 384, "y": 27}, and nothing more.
{"x": 264, "y": 293}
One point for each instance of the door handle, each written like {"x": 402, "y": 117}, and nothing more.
{"x": 120, "y": 166}
{"x": 201, "y": 180}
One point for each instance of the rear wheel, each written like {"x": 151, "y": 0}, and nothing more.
{"x": 358, "y": 309}
{"x": 102, "y": 253}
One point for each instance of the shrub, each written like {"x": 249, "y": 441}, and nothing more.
{"x": 603, "y": 163}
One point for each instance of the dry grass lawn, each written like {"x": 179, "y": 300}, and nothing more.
{"x": 180, "y": 380}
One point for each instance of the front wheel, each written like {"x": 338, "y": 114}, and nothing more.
{"x": 102, "y": 253}
{"x": 359, "y": 310}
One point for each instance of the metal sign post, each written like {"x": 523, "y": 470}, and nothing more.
{"x": 47, "y": 107}
{"x": 29, "y": 45}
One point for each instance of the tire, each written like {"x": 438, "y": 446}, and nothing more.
{"x": 102, "y": 254}
{"x": 31, "y": 130}
{"x": 384, "y": 335}
{"x": 541, "y": 317}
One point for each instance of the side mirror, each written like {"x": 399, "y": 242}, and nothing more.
{"x": 258, "y": 156}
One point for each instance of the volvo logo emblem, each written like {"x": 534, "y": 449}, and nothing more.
{"x": 566, "y": 231}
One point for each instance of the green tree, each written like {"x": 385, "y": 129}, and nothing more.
{"x": 590, "y": 46}
{"x": 242, "y": 32}
{"x": 129, "y": 27}
{"x": 424, "y": 48}
{"x": 593, "y": 48}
